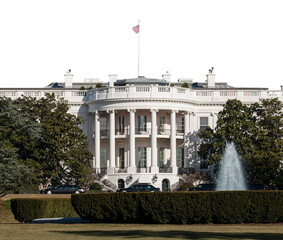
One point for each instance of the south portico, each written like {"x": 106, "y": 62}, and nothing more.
{"x": 140, "y": 142}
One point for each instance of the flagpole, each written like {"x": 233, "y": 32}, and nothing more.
{"x": 139, "y": 48}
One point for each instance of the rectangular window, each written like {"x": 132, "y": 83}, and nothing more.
{"x": 103, "y": 126}
{"x": 121, "y": 157}
{"x": 7, "y": 94}
{"x": 251, "y": 94}
{"x": 142, "y": 157}
{"x": 227, "y": 94}
{"x": 142, "y": 123}
{"x": 180, "y": 125}
{"x": 203, "y": 123}
{"x": 31, "y": 94}
{"x": 161, "y": 157}
{"x": 161, "y": 124}
{"x": 203, "y": 94}
{"x": 103, "y": 158}
{"x": 121, "y": 125}
{"x": 180, "y": 157}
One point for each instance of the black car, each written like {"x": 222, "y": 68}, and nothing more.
{"x": 63, "y": 189}
{"x": 203, "y": 187}
{"x": 255, "y": 187}
{"x": 139, "y": 188}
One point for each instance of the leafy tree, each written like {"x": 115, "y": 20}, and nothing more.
{"x": 98, "y": 85}
{"x": 19, "y": 132}
{"x": 185, "y": 85}
{"x": 14, "y": 173}
{"x": 257, "y": 131}
{"x": 61, "y": 152}
{"x": 19, "y": 126}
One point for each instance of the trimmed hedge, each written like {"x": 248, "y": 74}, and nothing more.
{"x": 182, "y": 207}
{"x": 28, "y": 209}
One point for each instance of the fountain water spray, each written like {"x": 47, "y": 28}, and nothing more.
{"x": 231, "y": 175}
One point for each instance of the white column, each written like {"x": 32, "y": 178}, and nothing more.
{"x": 193, "y": 129}
{"x": 112, "y": 141}
{"x": 186, "y": 139}
{"x": 97, "y": 141}
{"x": 90, "y": 129}
{"x": 154, "y": 167}
{"x": 132, "y": 164}
{"x": 173, "y": 163}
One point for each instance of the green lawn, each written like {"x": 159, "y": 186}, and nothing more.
{"x": 12, "y": 230}
{"x": 140, "y": 231}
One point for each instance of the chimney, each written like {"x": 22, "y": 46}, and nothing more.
{"x": 68, "y": 79}
{"x": 112, "y": 79}
{"x": 166, "y": 76}
{"x": 281, "y": 87}
{"x": 210, "y": 78}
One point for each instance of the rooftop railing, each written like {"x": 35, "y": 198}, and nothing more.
{"x": 147, "y": 92}
{"x": 179, "y": 93}
{"x": 69, "y": 94}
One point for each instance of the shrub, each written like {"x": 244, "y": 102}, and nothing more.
{"x": 185, "y": 186}
{"x": 95, "y": 186}
{"x": 185, "y": 85}
{"x": 182, "y": 207}
{"x": 98, "y": 85}
{"x": 25, "y": 210}
{"x": 29, "y": 188}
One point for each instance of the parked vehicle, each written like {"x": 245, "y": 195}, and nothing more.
{"x": 256, "y": 187}
{"x": 203, "y": 187}
{"x": 139, "y": 188}
{"x": 61, "y": 189}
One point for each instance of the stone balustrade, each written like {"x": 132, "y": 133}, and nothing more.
{"x": 148, "y": 92}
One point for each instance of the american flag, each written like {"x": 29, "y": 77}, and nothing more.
{"x": 136, "y": 29}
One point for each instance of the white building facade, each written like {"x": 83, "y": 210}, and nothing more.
{"x": 145, "y": 130}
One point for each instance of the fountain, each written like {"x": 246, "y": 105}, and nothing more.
{"x": 231, "y": 174}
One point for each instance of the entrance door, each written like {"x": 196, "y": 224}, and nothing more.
{"x": 121, "y": 183}
{"x": 165, "y": 185}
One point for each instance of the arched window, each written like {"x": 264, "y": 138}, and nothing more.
{"x": 165, "y": 185}
{"x": 121, "y": 183}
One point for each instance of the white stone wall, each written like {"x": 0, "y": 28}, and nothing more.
{"x": 188, "y": 103}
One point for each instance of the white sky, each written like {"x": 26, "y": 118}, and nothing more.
{"x": 41, "y": 39}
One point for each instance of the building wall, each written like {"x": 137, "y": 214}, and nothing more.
{"x": 190, "y": 104}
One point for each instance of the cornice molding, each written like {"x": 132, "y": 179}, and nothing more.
{"x": 105, "y": 101}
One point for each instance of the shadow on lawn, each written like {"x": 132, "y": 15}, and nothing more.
{"x": 175, "y": 234}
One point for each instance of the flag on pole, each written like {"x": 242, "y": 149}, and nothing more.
{"x": 136, "y": 29}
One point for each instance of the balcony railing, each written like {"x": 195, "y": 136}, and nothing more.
{"x": 104, "y": 132}
{"x": 126, "y": 131}
{"x": 187, "y": 94}
{"x": 165, "y": 170}
{"x": 140, "y": 131}
{"x": 142, "y": 170}
{"x": 162, "y": 131}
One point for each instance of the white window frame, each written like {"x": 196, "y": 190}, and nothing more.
{"x": 142, "y": 157}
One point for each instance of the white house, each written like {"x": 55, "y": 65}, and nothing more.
{"x": 144, "y": 129}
